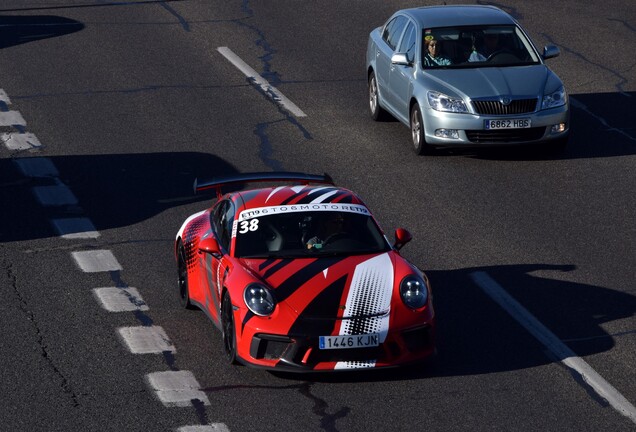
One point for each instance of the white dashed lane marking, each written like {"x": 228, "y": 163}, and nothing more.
{"x": 75, "y": 228}
{"x": 215, "y": 427}
{"x": 94, "y": 261}
{"x": 271, "y": 91}
{"x": 120, "y": 299}
{"x": 4, "y": 97}
{"x": 20, "y": 141}
{"x": 54, "y": 196}
{"x": 36, "y": 167}
{"x": 554, "y": 344}
{"x": 11, "y": 118}
{"x": 146, "y": 340}
{"x": 176, "y": 388}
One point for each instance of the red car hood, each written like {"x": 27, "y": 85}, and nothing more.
{"x": 343, "y": 286}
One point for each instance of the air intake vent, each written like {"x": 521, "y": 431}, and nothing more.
{"x": 495, "y": 107}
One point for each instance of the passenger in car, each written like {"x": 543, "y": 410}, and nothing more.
{"x": 432, "y": 58}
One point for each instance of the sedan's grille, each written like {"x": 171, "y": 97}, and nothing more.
{"x": 505, "y": 135}
{"x": 495, "y": 107}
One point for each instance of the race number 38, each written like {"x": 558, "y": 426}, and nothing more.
{"x": 248, "y": 225}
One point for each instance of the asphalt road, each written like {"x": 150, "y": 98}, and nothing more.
{"x": 130, "y": 101}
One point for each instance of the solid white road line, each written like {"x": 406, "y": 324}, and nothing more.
{"x": 554, "y": 345}
{"x": 20, "y": 141}
{"x": 54, "y": 196}
{"x": 115, "y": 299}
{"x": 75, "y": 228}
{"x": 176, "y": 388}
{"x": 11, "y": 118}
{"x": 267, "y": 88}
{"x": 94, "y": 261}
{"x": 146, "y": 340}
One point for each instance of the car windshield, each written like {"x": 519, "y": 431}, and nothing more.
{"x": 476, "y": 46}
{"x": 308, "y": 234}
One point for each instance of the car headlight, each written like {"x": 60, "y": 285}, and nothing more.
{"x": 258, "y": 299}
{"x": 441, "y": 102}
{"x": 556, "y": 99}
{"x": 413, "y": 291}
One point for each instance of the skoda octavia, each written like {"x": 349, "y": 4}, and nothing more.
{"x": 465, "y": 76}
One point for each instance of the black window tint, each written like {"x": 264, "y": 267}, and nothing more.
{"x": 222, "y": 223}
{"x": 408, "y": 42}
{"x": 393, "y": 31}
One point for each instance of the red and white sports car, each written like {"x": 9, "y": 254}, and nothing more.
{"x": 301, "y": 278}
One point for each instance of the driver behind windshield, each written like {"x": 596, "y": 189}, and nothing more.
{"x": 330, "y": 226}
{"x": 490, "y": 45}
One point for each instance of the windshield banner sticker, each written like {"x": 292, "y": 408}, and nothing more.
{"x": 268, "y": 211}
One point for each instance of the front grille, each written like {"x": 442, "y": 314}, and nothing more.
{"x": 505, "y": 135}
{"x": 495, "y": 107}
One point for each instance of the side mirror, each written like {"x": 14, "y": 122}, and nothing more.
{"x": 402, "y": 237}
{"x": 400, "y": 59}
{"x": 550, "y": 51}
{"x": 209, "y": 245}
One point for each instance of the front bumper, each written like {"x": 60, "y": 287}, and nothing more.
{"x": 472, "y": 133}
{"x": 301, "y": 353}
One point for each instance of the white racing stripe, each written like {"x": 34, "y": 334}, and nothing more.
{"x": 554, "y": 344}
{"x": 267, "y": 88}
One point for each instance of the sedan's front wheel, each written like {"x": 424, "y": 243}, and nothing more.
{"x": 418, "y": 136}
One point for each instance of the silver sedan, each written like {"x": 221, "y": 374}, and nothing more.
{"x": 465, "y": 76}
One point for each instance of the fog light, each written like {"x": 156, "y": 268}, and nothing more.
{"x": 558, "y": 128}
{"x": 447, "y": 133}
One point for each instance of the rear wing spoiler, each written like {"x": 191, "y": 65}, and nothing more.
{"x": 218, "y": 182}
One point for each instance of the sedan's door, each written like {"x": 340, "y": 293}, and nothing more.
{"x": 390, "y": 37}
{"x": 400, "y": 76}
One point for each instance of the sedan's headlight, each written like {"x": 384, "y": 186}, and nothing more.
{"x": 441, "y": 102}
{"x": 556, "y": 99}
{"x": 258, "y": 299}
{"x": 413, "y": 291}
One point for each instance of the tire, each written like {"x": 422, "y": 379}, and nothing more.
{"x": 418, "y": 137}
{"x": 229, "y": 329}
{"x": 182, "y": 281}
{"x": 377, "y": 112}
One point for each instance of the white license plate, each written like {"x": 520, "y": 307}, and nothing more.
{"x": 508, "y": 124}
{"x": 349, "y": 341}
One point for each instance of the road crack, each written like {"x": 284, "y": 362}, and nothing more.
{"x": 44, "y": 353}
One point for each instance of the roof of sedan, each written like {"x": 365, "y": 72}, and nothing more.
{"x": 458, "y": 15}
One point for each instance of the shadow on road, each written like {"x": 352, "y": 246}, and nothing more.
{"x": 115, "y": 190}
{"x": 16, "y": 30}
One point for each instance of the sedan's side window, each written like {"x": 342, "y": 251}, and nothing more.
{"x": 408, "y": 43}
{"x": 393, "y": 31}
